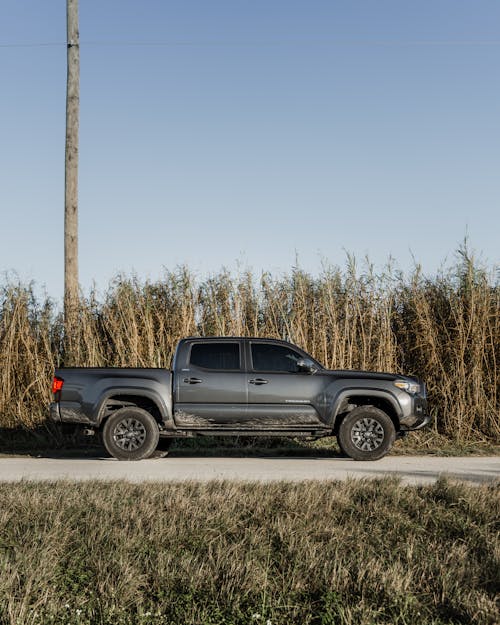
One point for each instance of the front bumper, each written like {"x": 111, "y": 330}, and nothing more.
{"x": 417, "y": 424}
{"x": 418, "y": 418}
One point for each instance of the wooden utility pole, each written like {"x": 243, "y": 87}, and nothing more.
{"x": 71, "y": 288}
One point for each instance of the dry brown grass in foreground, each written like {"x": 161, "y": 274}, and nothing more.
{"x": 445, "y": 329}
{"x": 361, "y": 552}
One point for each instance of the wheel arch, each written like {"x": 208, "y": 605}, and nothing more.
{"x": 350, "y": 399}
{"x": 120, "y": 398}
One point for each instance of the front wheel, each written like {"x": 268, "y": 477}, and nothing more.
{"x": 131, "y": 433}
{"x": 366, "y": 433}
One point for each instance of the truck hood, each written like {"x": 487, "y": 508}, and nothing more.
{"x": 368, "y": 375}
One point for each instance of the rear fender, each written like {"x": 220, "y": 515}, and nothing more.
{"x": 128, "y": 393}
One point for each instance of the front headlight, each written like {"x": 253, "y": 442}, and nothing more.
{"x": 410, "y": 387}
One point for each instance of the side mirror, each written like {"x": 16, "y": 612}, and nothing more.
{"x": 306, "y": 366}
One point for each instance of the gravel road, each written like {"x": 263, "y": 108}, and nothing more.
{"x": 410, "y": 469}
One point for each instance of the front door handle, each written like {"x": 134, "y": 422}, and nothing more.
{"x": 193, "y": 380}
{"x": 258, "y": 381}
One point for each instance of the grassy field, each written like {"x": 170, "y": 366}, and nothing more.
{"x": 361, "y": 552}
{"x": 444, "y": 329}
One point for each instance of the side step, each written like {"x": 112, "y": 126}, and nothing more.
{"x": 246, "y": 432}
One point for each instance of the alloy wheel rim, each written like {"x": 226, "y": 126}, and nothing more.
{"x": 129, "y": 434}
{"x": 367, "y": 434}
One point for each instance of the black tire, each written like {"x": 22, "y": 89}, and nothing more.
{"x": 366, "y": 433}
{"x": 131, "y": 433}
{"x": 163, "y": 447}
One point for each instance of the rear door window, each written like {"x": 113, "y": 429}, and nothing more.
{"x": 222, "y": 356}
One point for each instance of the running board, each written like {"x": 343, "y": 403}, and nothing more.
{"x": 315, "y": 433}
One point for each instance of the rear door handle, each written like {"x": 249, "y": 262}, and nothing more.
{"x": 193, "y": 380}
{"x": 258, "y": 381}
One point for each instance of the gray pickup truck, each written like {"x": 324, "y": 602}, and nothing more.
{"x": 238, "y": 387}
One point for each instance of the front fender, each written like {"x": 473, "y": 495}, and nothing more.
{"x": 338, "y": 395}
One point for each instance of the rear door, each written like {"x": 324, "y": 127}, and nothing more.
{"x": 211, "y": 390}
{"x": 279, "y": 395}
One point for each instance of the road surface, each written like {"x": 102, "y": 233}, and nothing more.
{"x": 410, "y": 469}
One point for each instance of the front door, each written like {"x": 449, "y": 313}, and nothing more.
{"x": 279, "y": 395}
{"x": 212, "y": 390}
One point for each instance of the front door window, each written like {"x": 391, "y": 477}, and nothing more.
{"x": 268, "y": 357}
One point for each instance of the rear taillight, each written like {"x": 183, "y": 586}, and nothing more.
{"x": 57, "y": 384}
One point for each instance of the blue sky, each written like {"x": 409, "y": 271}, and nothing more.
{"x": 255, "y": 132}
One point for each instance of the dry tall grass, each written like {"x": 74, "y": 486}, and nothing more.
{"x": 358, "y": 553}
{"x": 445, "y": 330}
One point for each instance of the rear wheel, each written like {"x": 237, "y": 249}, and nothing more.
{"x": 366, "y": 433}
{"x": 131, "y": 433}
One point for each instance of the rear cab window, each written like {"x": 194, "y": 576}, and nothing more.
{"x": 216, "y": 356}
